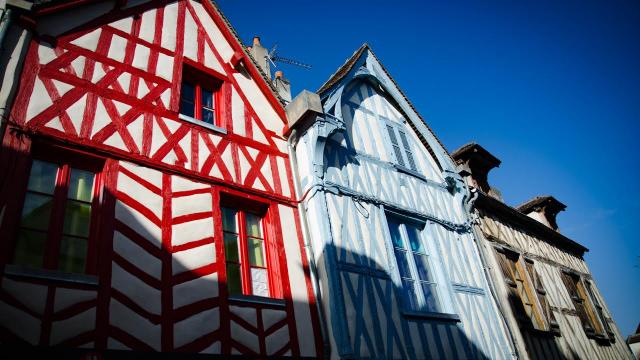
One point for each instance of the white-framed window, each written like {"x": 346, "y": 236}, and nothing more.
{"x": 420, "y": 292}
{"x": 400, "y": 145}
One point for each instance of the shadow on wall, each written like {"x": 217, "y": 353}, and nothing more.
{"x": 147, "y": 298}
{"x": 369, "y": 306}
{"x": 540, "y": 345}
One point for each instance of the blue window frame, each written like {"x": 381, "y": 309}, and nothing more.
{"x": 420, "y": 291}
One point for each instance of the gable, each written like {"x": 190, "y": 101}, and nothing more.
{"x": 368, "y": 111}
{"x": 364, "y": 64}
{"x": 115, "y": 82}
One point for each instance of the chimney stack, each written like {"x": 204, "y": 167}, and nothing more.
{"x": 283, "y": 86}
{"x": 259, "y": 54}
{"x": 544, "y": 209}
{"x": 474, "y": 163}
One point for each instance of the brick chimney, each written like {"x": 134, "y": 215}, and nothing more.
{"x": 259, "y": 54}
{"x": 544, "y": 209}
{"x": 474, "y": 163}
{"x": 283, "y": 86}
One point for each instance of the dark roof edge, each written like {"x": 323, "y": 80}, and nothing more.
{"x": 530, "y": 225}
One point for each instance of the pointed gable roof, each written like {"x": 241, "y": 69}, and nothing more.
{"x": 417, "y": 123}
{"x": 46, "y": 7}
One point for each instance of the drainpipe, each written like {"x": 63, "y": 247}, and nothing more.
{"x": 486, "y": 269}
{"x": 315, "y": 282}
{"x": 5, "y": 23}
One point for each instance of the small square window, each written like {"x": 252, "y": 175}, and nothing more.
{"x": 200, "y": 96}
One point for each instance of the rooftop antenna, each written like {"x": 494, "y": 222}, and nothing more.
{"x": 273, "y": 57}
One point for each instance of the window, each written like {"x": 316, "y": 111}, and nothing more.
{"x": 526, "y": 292}
{"x": 587, "y": 306}
{"x": 246, "y": 253}
{"x": 200, "y": 96}
{"x": 59, "y": 215}
{"x": 401, "y": 148}
{"x": 419, "y": 288}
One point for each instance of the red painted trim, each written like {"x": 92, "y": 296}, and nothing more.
{"x": 106, "y": 251}
{"x": 255, "y": 74}
{"x": 286, "y": 284}
{"x": 225, "y": 324}
{"x": 45, "y": 327}
{"x": 167, "y": 275}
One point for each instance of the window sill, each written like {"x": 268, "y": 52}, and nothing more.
{"x": 52, "y": 275}
{"x": 260, "y": 300}
{"x": 431, "y": 315}
{"x": 408, "y": 171}
{"x": 202, "y": 123}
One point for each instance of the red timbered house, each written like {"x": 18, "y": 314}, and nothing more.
{"x": 146, "y": 199}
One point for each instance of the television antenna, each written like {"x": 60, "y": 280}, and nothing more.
{"x": 273, "y": 57}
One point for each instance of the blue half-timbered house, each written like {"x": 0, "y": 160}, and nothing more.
{"x": 393, "y": 256}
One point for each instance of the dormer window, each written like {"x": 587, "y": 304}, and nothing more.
{"x": 200, "y": 97}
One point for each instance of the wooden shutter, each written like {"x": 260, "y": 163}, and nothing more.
{"x": 407, "y": 150}
{"x": 572, "y": 282}
{"x": 395, "y": 145}
{"x": 547, "y": 313}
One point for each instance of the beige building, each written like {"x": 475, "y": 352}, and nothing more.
{"x": 547, "y": 295}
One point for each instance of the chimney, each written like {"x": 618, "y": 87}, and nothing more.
{"x": 544, "y": 209}
{"x": 283, "y": 86}
{"x": 259, "y": 54}
{"x": 474, "y": 163}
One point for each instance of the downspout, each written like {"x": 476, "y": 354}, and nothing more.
{"x": 315, "y": 283}
{"x": 469, "y": 204}
{"x": 5, "y": 23}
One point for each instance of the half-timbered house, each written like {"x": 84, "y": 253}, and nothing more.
{"x": 552, "y": 305}
{"x": 385, "y": 213}
{"x": 146, "y": 194}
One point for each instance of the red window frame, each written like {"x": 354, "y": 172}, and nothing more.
{"x": 65, "y": 159}
{"x": 201, "y": 80}
{"x": 245, "y": 206}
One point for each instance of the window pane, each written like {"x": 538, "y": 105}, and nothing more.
{"x": 207, "y": 98}
{"x": 403, "y": 264}
{"x": 229, "y": 220}
{"x": 30, "y": 248}
{"x": 410, "y": 299}
{"x": 234, "y": 283}
{"x": 187, "y": 108}
{"x": 81, "y": 185}
{"x": 394, "y": 230}
{"x": 43, "y": 177}
{"x": 208, "y": 116}
{"x": 422, "y": 264}
{"x": 188, "y": 92}
{"x": 77, "y": 218}
{"x": 73, "y": 254}
{"x": 231, "y": 247}
{"x": 430, "y": 297}
{"x": 256, "y": 252}
{"x": 259, "y": 282}
{"x": 414, "y": 239}
{"x": 253, "y": 226}
{"x": 36, "y": 211}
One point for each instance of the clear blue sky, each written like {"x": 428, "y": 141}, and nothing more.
{"x": 552, "y": 88}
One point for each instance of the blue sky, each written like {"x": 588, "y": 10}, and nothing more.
{"x": 552, "y": 88}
